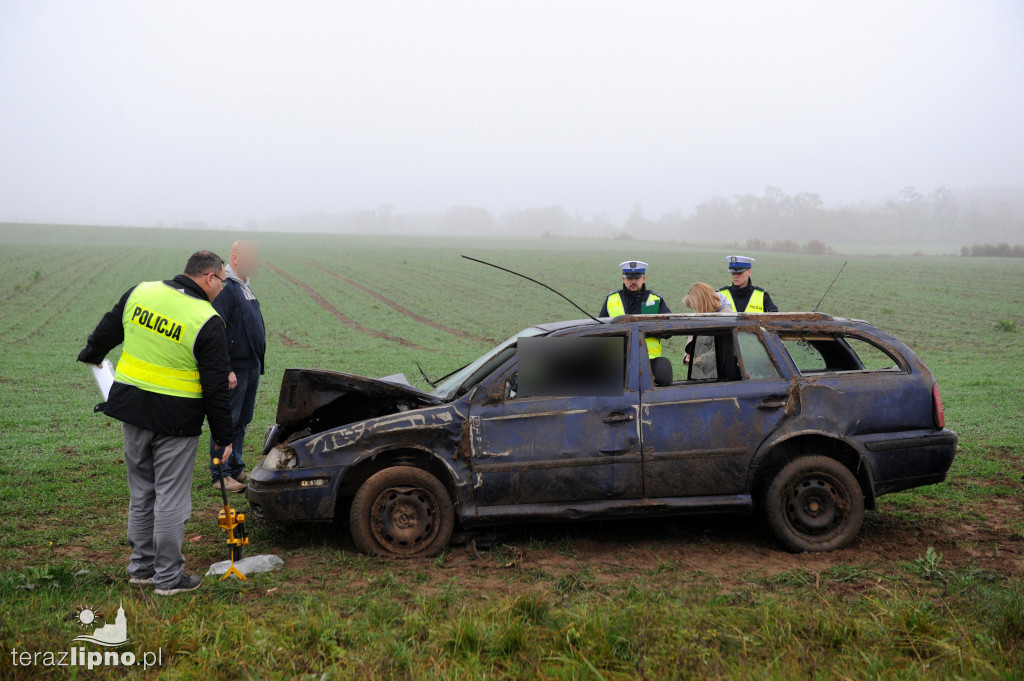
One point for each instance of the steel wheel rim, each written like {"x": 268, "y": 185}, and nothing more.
{"x": 816, "y": 505}
{"x": 404, "y": 519}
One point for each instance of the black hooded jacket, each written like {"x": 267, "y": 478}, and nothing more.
{"x": 741, "y": 296}
{"x": 167, "y": 414}
{"x": 631, "y": 301}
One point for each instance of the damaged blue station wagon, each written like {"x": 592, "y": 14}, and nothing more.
{"x": 801, "y": 418}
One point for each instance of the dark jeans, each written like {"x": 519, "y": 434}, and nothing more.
{"x": 243, "y": 399}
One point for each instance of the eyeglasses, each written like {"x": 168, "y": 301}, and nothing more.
{"x": 218, "y": 277}
{"x": 632, "y": 276}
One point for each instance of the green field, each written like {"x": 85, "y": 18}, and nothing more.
{"x": 932, "y": 588}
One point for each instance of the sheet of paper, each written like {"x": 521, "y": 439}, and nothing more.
{"x": 104, "y": 375}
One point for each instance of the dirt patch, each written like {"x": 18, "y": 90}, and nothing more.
{"x": 337, "y": 314}
{"x": 288, "y": 342}
{"x": 724, "y": 552}
{"x": 403, "y": 310}
{"x": 727, "y": 552}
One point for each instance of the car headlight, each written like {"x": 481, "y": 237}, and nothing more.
{"x": 280, "y": 458}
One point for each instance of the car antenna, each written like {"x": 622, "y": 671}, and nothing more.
{"x": 829, "y": 287}
{"x": 483, "y": 262}
{"x": 424, "y": 375}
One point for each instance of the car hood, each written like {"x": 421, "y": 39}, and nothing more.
{"x": 314, "y": 400}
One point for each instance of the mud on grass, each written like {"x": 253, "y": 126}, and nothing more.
{"x": 728, "y": 549}
{"x": 698, "y": 597}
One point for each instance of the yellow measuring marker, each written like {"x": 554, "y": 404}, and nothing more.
{"x": 234, "y": 524}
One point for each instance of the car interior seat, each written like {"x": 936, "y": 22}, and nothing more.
{"x": 661, "y": 368}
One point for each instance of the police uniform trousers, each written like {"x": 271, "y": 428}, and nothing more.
{"x": 158, "y": 511}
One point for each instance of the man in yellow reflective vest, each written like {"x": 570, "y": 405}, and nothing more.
{"x": 173, "y": 372}
{"x": 743, "y": 295}
{"x": 635, "y": 298}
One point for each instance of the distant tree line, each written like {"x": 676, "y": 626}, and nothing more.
{"x": 772, "y": 221}
{"x": 1001, "y": 250}
{"x": 812, "y": 247}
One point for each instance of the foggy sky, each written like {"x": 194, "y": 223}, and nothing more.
{"x": 225, "y": 111}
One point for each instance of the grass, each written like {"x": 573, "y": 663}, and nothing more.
{"x": 850, "y": 623}
{"x": 680, "y": 598}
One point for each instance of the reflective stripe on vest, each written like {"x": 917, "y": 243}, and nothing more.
{"x": 161, "y": 325}
{"x": 755, "y": 304}
{"x": 650, "y": 306}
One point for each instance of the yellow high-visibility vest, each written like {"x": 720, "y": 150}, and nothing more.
{"x": 755, "y": 304}
{"x": 650, "y": 306}
{"x": 160, "y": 329}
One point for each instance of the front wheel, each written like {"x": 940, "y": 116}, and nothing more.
{"x": 403, "y": 512}
{"x": 814, "y": 504}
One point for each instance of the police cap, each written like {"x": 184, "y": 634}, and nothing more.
{"x": 635, "y": 268}
{"x": 738, "y": 263}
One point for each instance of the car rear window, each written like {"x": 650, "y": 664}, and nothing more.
{"x": 815, "y": 354}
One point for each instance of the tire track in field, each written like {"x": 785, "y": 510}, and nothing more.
{"x": 337, "y": 314}
{"x": 402, "y": 310}
{"x": 80, "y": 290}
{"x": 289, "y": 342}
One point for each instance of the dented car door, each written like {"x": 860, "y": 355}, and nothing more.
{"x": 535, "y": 450}
{"x": 699, "y": 436}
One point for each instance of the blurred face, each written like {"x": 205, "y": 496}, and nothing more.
{"x": 246, "y": 259}
{"x": 740, "y": 279}
{"x": 633, "y": 282}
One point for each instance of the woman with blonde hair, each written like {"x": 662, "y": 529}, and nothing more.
{"x": 703, "y": 298}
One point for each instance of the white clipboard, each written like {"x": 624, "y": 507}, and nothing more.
{"x": 104, "y": 375}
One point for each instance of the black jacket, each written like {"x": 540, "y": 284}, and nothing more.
{"x": 741, "y": 296}
{"x": 631, "y": 301}
{"x": 166, "y": 414}
{"x": 247, "y": 336}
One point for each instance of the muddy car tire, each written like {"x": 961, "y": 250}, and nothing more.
{"x": 402, "y": 512}
{"x": 814, "y": 504}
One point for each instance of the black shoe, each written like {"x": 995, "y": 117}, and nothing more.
{"x": 185, "y": 583}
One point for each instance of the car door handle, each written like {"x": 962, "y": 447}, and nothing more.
{"x": 619, "y": 417}
{"x": 771, "y": 404}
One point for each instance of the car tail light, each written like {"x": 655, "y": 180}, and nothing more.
{"x": 938, "y": 411}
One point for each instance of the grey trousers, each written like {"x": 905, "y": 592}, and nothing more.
{"x": 160, "y": 484}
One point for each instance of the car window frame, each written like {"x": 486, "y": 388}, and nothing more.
{"x": 782, "y": 335}
{"x": 501, "y": 375}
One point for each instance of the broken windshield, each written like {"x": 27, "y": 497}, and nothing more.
{"x": 461, "y": 379}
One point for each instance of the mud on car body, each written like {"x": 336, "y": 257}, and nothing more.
{"x": 802, "y": 419}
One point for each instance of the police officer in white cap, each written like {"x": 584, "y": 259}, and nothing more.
{"x": 635, "y": 298}
{"x": 744, "y": 296}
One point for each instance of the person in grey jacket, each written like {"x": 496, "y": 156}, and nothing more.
{"x": 247, "y": 343}
{"x": 703, "y": 298}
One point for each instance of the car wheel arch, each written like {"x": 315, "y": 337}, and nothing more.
{"x": 777, "y": 453}
{"x": 366, "y": 466}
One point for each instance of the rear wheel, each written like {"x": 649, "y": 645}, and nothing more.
{"x": 402, "y": 512}
{"x": 814, "y": 504}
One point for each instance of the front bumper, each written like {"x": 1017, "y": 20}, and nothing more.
{"x": 294, "y": 494}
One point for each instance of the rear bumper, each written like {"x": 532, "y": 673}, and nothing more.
{"x": 296, "y": 494}
{"x": 900, "y": 461}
